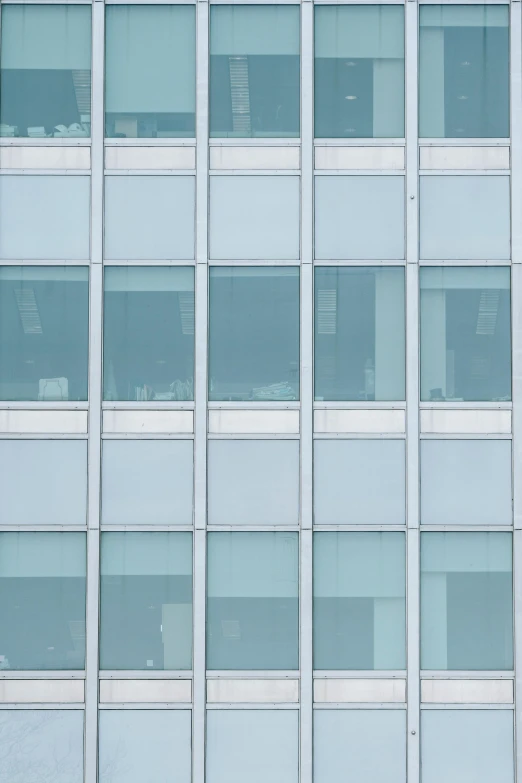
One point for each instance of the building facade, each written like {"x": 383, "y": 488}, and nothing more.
{"x": 260, "y": 392}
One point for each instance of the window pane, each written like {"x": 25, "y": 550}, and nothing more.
{"x": 465, "y": 217}
{"x": 359, "y": 346}
{"x": 466, "y": 601}
{"x": 45, "y": 84}
{"x": 148, "y": 333}
{"x": 253, "y": 482}
{"x": 464, "y": 71}
{"x": 465, "y": 333}
{"x": 252, "y": 745}
{"x": 254, "y": 333}
{"x": 466, "y": 482}
{"x": 149, "y": 218}
{"x": 359, "y": 217}
{"x": 359, "y": 71}
{"x": 44, "y": 340}
{"x": 147, "y": 482}
{"x": 252, "y": 604}
{"x": 254, "y": 71}
{"x": 467, "y": 745}
{"x": 145, "y": 745}
{"x": 241, "y": 210}
{"x": 359, "y": 482}
{"x": 359, "y": 601}
{"x": 42, "y": 612}
{"x": 150, "y": 71}
{"x": 41, "y": 745}
{"x": 360, "y": 745}
{"x": 146, "y": 601}
{"x": 43, "y": 482}
{"x": 57, "y": 210}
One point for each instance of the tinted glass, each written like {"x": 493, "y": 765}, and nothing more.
{"x": 254, "y": 71}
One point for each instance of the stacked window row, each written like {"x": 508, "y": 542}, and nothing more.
{"x": 252, "y": 621}
{"x": 253, "y": 342}
{"x": 254, "y": 72}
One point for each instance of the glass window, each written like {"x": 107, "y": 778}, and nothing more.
{"x": 45, "y": 80}
{"x": 41, "y": 745}
{"x": 359, "y": 601}
{"x": 146, "y": 601}
{"x": 252, "y": 745}
{"x": 360, "y": 745}
{"x": 43, "y": 482}
{"x": 466, "y": 601}
{"x": 57, "y": 210}
{"x": 359, "y": 340}
{"x": 466, "y": 482}
{"x": 254, "y": 71}
{"x": 465, "y": 217}
{"x": 359, "y": 71}
{"x": 253, "y": 482}
{"x": 254, "y": 333}
{"x": 464, "y": 71}
{"x": 359, "y": 217}
{"x": 150, "y": 71}
{"x": 145, "y": 745}
{"x": 149, "y": 218}
{"x": 467, "y": 745}
{"x": 147, "y": 482}
{"x": 42, "y": 612}
{"x": 148, "y": 341}
{"x": 44, "y": 333}
{"x": 359, "y": 482}
{"x": 252, "y": 601}
{"x": 465, "y": 333}
{"x": 241, "y": 211}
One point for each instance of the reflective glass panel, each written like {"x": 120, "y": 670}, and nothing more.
{"x": 464, "y": 71}
{"x": 252, "y": 601}
{"x": 254, "y": 333}
{"x": 42, "y": 611}
{"x": 146, "y": 601}
{"x": 359, "y": 601}
{"x": 359, "y": 71}
{"x": 150, "y": 71}
{"x": 254, "y": 70}
{"x": 45, "y": 79}
{"x": 359, "y": 341}
{"x": 148, "y": 333}
{"x": 465, "y": 333}
{"x": 466, "y": 601}
{"x": 44, "y": 333}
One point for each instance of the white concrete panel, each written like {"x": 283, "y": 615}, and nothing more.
{"x": 463, "y": 158}
{"x": 357, "y": 691}
{"x": 41, "y": 691}
{"x": 253, "y": 422}
{"x": 253, "y": 691}
{"x": 359, "y": 420}
{"x": 150, "y": 158}
{"x": 357, "y": 158}
{"x": 42, "y": 421}
{"x": 282, "y": 158}
{"x": 45, "y": 158}
{"x": 467, "y": 691}
{"x": 145, "y": 691}
{"x": 466, "y": 422}
{"x": 176, "y": 422}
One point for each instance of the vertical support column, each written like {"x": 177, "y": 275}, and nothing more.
{"x": 516, "y": 309}
{"x": 200, "y": 394}
{"x": 412, "y": 393}
{"x": 95, "y": 395}
{"x": 307, "y": 293}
